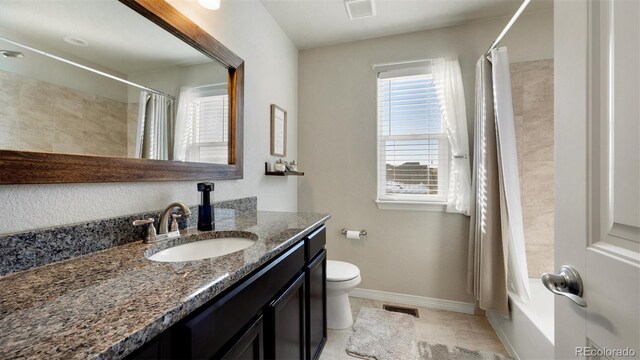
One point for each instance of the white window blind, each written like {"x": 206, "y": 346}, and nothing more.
{"x": 210, "y": 129}
{"x": 413, "y": 150}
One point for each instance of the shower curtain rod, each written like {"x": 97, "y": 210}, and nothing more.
{"x": 509, "y": 24}
{"x": 86, "y": 68}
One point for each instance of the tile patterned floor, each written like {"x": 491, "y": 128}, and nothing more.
{"x": 438, "y": 326}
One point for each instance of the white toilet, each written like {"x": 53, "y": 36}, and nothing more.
{"x": 342, "y": 277}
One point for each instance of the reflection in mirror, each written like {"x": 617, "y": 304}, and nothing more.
{"x": 96, "y": 78}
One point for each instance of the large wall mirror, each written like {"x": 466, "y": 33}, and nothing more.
{"x": 128, "y": 90}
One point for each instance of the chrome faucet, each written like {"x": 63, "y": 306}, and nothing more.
{"x": 164, "y": 220}
{"x": 166, "y": 231}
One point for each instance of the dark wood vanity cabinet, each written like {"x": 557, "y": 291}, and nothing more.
{"x": 276, "y": 312}
{"x": 250, "y": 346}
{"x": 316, "y": 303}
{"x": 286, "y": 319}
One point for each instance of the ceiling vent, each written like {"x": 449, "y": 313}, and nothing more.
{"x": 358, "y": 9}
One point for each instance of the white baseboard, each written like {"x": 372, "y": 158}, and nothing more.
{"x": 413, "y": 300}
{"x": 502, "y": 336}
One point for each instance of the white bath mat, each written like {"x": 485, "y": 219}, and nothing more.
{"x": 383, "y": 335}
{"x": 443, "y": 352}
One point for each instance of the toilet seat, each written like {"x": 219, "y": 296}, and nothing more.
{"x": 341, "y": 271}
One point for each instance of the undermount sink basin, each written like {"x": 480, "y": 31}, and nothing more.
{"x": 203, "y": 249}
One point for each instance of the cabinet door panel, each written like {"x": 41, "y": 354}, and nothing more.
{"x": 316, "y": 276}
{"x": 286, "y": 325}
{"x": 250, "y": 346}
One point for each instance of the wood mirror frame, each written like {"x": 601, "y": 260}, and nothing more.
{"x": 28, "y": 167}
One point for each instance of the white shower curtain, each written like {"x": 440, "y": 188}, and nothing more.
{"x": 184, "y": 124}
{"x": 511, "y": 207}
{"x": 496, "y": 241}
{"x": 448, "y": 80}
{"x": 154, "y": 138}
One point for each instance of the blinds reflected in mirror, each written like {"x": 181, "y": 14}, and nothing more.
{"x": 210, "y": 129}
{"x": 202, "y": 124}
{"x": 413, "y": 150}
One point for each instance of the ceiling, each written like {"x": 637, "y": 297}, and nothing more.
{"x": 314, "y": 23}
{"x": 119, "y": 38}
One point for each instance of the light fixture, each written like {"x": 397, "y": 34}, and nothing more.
{"x": 210, "y": 4}
{"x": 11, "y": 54}
{"x": 75, "y": 41}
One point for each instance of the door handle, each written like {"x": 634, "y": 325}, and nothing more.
{"x": 567, "y": 283}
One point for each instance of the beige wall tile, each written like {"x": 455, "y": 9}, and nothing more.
{"x": 519, "y": 144}
{"x": 66, "y": 143}
{"x": 537, "y": 192}
{"x": 9, "y": 93}
{"x": 534, "y": 138}
{"x": 34, "y": 104}
{"x": 67, "y": 104}
{"x": 70, "y": 125}
{"x": 35, "y": 137}
{"x": 538, "y": 227}
{"x": 540, "y": 259}
{"x": 517, "y": 91}
{"x": 538, "y": 94}
{"x": 48, "y": 117}
{"x": 546, "y": 64}
{"x": 132, "y": 128}
{"x": 8, "y": 134}
{"x": 100, "y": 144}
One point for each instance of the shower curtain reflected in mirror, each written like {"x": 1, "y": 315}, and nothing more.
{"x": 184, "y": 123}
{"x": 154, "y": 137}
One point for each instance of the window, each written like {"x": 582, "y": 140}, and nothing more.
{"x": 413, "y": 150}
{"x": 210, "y": 129}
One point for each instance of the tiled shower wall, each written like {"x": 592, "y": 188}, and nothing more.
{"x": 532, "y": 91}
{"x": 39, "y": 116}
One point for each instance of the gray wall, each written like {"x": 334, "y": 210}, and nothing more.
{"x": 409, "y": 252}
{"x": 271, "y": 77}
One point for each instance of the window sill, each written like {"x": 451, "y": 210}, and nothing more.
{"x": 411, "y": 205}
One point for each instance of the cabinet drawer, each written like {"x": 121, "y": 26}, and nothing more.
{"x": 315, "y": 242}
{"x": 205, "y": 333}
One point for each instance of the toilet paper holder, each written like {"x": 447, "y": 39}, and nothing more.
{"x": 362, "y": 232}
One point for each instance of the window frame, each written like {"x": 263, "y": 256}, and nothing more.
{"x": 423, "y": 202}
{"x": 193, "y": 150}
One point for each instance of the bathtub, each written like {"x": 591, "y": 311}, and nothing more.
{"x": 528, "y": 334}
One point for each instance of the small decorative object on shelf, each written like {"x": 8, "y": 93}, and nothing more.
{"x": 281, "y": 165}
{"x": 292, "y": 166}
{"x": 282, "y": 173}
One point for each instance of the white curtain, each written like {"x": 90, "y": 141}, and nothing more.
{"x": 511, "y": 207}
{"x": 154, "y": 139}
{"x": 184, "y": 124}
{"x": 448, "y": 80}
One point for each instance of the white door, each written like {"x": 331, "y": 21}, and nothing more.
{"x": 597, "y": 184}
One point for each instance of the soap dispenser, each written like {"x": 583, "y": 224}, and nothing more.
{"x": 205, "y": 209}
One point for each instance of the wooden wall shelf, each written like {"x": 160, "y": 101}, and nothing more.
{"x": 281, "y": 173}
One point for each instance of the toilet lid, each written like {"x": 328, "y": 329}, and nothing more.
{"x": 341, "y": 271}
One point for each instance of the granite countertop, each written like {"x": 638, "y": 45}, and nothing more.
{"x": 106, "y": 304}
